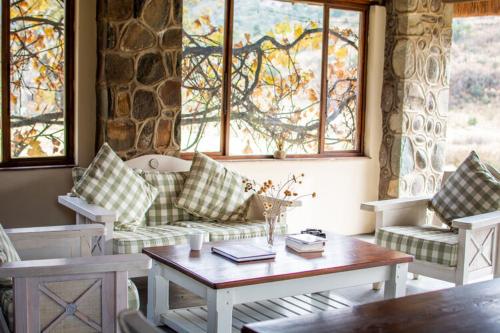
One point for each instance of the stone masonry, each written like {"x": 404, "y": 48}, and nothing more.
{"x": 139, "y": 75}
{"x": 415, "y": 97}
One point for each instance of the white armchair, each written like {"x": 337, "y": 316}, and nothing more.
{"x": 477, "y": 249}
{"x": 73, "y": 293}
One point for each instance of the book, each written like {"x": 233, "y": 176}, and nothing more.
{"x": 306, "y": 239}
{"x": 243, "y": 253}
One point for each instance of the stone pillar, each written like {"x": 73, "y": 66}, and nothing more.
{"x": 415, "y": 97}
{"x": 139, "y": 75}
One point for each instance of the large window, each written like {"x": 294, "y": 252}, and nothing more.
{"x": 257, "y": 73}
{"x": 36, "y": 82}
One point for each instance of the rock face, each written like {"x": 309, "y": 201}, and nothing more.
{"x": 415, "y": 97}
{"x": 138, "y": 80}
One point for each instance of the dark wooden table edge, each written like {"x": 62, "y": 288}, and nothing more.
{"x": 283, "y": 277}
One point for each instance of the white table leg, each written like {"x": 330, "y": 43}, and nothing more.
{"x": 158, "y": 289}
{"x": 220, "y": 310}
{"x": 396, "y": 285}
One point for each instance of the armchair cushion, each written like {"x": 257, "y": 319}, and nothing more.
{"x": 232, "y": 230}
{"x": 471, "y": 190}
{"x": 213, "y": 192}
{"x": 164, "y": 211}
{"x": 435, "y": 245}
{"x": 110, "y": 183}
{"x": 126, "y": 242}
{"x": 7, "y": 254}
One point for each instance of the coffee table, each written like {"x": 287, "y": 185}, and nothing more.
{"x": 225, "y": 284}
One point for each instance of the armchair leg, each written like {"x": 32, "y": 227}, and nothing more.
{"x": 377, "y": 285}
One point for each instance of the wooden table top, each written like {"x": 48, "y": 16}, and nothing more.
{"x": 469, "y": 308}
{"x": 341, "y": 253}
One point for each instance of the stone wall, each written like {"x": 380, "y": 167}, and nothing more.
{"x": 138, "y": 79}
{"x": 415, "y": 97}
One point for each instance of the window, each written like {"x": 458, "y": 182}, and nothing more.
{"x": 257, "y": 74}
{"x": 37, "y": 94}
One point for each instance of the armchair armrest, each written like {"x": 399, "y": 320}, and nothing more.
{"x": 392, "y": 204}
{"x": 56, "y": 232}
{"x": 477, "y": 221}
{"x": 73, "y": 266}
{"x": 92, "y": 212}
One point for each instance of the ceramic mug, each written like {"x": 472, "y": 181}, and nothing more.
{"x": 196, "y": 241}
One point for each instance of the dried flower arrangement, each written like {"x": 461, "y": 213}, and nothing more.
{"x": 275, "y": 198}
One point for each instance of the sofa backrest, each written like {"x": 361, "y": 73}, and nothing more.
{"x": 159, "y": 163}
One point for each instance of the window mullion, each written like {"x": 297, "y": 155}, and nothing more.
{"x": 5, "y": 116}
{"x": 226, "y": 99}
{"x": 324, "y": 80}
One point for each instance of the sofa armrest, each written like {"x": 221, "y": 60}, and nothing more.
{"x": 72, "y": 266}
{"x": 92, "y": 212}
{"x": 477, "y": 221}
{"x": 64, "y": 241}
{"x": 392, "y": 204}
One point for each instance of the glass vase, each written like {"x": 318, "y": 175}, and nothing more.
{"x": 271, "y": 221}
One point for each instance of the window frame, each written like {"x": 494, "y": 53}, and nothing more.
{"x": 361, "y": 6}
{"x": 7, "y": 162}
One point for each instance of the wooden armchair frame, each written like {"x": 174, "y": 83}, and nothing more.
{"x": 39, "y": 284}
{"x": 478, "y": 245}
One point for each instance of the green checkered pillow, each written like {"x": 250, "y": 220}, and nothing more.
{"x": 77, "y": 174}
{"x": 213, "y": 192}
{"x": 164, "y": 210}
{"x": 7, "y": 254}
{"x": 110, "y": 183}
{"x": 471, "y": 190}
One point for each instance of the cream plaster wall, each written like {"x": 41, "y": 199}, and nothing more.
{"x": 29, "y": 197}
{"x": 341, "y": 183}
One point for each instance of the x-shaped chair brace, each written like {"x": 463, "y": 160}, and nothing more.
{"x": 480, "y": 248}
{"x": 71, "y": 309}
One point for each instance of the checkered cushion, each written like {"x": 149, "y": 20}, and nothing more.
{"x": 429, "y": 244}
{"x": 213, "y": 192}
{"x": 7, "y": 306}
{"x": 471, "y": 190}
{"x": 7, "y": 302}
{"x": 232, "y": 230}
{"x": 7, "y": 254}
{"x": 77, "y": 174}
{"x": 125, "y": 242}
{"x": 169, "y": 185}
{"x": 109, "y": 183}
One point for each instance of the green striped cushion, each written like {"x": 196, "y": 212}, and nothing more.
{"x": 169, "y": 185}
{"x": 429, "y": 244}
{"x": 7, "y": 254}
{"x": 110, "y": 183}
{"x": 213, "y": 192}
{"x": 232, "y": 230}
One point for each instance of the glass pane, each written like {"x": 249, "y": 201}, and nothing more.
{"x": 276, "y": 77}
{"x": 37, "y": 78}
{"x": 342, "y": 75}
{"x": 202, "y": 75}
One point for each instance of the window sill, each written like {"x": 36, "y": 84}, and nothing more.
{"x": 354, "y": 156}
{"x": 35, "y": 167}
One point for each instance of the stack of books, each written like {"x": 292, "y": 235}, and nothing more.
{"x": 243, "y": 253}
{"x": 305, "y": 243}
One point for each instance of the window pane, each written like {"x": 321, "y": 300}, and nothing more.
{"x": 202, "y": 75}
{"x": 342, "y": 75}
{"x": 37, "y": 78}
{"x": 276, "y": 77}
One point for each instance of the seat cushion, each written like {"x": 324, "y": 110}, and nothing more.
{"x": 471, "y": 190}
{"x": 213, "y": 192}
{"x": 232, "y": 230}
{"x": 7, "y": 302}
{"x": 110, "y": 183}
{"x": 428, "y": 244}
{"x": 125, "y": 242}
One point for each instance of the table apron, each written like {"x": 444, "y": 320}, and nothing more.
{"x": 183, "y": 280}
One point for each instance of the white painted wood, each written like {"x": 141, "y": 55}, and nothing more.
{"x": 433, "y": 270}
{"x": 496, "y": 250}
{"x": 478, "y": 221}
{"x": 65, "y": 266}
{"x": 464, "y": 253}
{"x": 94, "y": 213}
{"x": 384, "y": 205}
{"x": 158, "y": 294}
{"x": 159, "y": 163}
{"x": 395, "y": 286}
{"x": 121, "y": 298}
{"x": 220, "y": 310}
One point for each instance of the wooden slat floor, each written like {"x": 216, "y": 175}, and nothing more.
{"x": 194, "y": 319}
